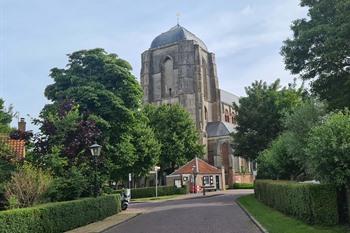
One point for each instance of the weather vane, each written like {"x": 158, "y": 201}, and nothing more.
{"x": 178, "y": 18}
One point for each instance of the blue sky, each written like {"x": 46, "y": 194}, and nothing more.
{"x": 35, "y": 36}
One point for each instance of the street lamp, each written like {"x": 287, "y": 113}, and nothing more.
{"x": 95, "y": 150}
{"x": 156, "y": 171}
{"x": 194, "y": 170}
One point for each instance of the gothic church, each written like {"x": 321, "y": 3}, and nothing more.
{"x": 178, "y": 68}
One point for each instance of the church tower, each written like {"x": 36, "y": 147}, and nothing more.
{"x": 178, "y": 68}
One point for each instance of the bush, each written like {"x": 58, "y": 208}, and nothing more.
{"x": 69, "y": 187}
{"x": 28, "y": 185}
{"x": 241, "y": 186}
{"x": 311, "y": 203}
{"x": 151, "y": 191}
{"x": 58, "y": 216}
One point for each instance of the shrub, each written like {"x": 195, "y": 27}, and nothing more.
{"x": 69, "y": 187}
{"x": 312, "y": 203}
{"x": 58, "y": 216}
{"x": 28, "y": 185}
{"x": 151, "y": 191}
{"x": 241, "y": 186}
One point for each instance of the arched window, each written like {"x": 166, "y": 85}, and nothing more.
{"x": 227, "y": 116}
{"x": 168, "y": 77}
{"x": 205, "y": 78}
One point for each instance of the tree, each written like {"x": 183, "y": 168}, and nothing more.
{"x": 320, "y": 50}
{"x": 27, "y": 186}
{"x": 286, "y": 158}
{"x": 94, "y": 99}
{"x": 328, "y": 148}
{"x": 175, "y": 131}
{"x": 260, "y": 114}
{"x": 5, "y": 118}
{"x": 276, "y": 162}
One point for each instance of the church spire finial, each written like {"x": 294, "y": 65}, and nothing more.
{"x": 178, "y": 18}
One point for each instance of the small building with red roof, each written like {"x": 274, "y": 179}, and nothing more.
{"x": 197, "y": 173}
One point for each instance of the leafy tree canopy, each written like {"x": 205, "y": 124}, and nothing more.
{"x": 286, "y": 158}
{"x": 95, "y": 98}
{"x": 320, "y": 50}
{"x": 328, "y": 148}
{"x": 5, "y": 118}
{"x": 176, "y": 133}
{"x": 260, "y": 114}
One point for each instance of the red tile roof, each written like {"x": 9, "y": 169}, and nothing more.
{"x": 203, "y": 168}
{"x": 16, "y": 146}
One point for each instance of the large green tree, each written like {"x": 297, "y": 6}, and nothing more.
{"x": 176, "y": 132}
{"x": 260, "y": 114}
{"x": 286, "y": 158}
{"x": 319, "y": 50}
{"x": 94, "y": 98}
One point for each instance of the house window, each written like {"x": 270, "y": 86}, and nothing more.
{"x": 177, "y": 183}
{"x": 206, "y": 180}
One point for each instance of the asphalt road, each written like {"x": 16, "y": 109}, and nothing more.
{"x": 216, "y": 214}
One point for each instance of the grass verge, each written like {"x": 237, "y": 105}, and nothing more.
{"x": 161, "y": 198}
{"x": 276, "y": 222}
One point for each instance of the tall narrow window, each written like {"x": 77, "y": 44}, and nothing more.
{"x": 227, "y": 116}
{"x": 205, "y": 113}
{"x": 205, "y": 78}
{"x": 168, "y": 78}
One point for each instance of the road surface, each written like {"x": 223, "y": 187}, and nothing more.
{"x": 215, "y": 214}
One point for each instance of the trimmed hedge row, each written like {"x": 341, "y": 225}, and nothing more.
{"x": 59, "y": 216}
{"x": 151, "y": 191}
{"x": 311, "y": 203}
{"x": 162, "y": 191}
{"x": 241, "y": 186}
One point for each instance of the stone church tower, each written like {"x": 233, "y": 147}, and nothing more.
{"x": 178, "y": 68}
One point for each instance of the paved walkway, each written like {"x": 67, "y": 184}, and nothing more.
{"x": 212, "y": 214}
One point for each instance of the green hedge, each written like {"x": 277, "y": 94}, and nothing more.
{"x": 241, "y": 186}
{"x": 58, "y": 216}
{"x": 311, "y": 203}
{"x": 151, "y": 191}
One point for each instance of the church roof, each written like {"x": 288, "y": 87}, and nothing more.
{"x": 175, "y": 34}
{"x": 219, "y": 129}
{"x": 201, "y": 166}
{"x": 228, "y": 98}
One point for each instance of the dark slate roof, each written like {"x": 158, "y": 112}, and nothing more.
{"x": 175, "y": 34}
{"x": 228, "y": 98}
{"x": 218, "y": 129}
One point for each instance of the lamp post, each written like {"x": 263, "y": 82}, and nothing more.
{"x": 194, "y": 170}
{"x": 95, "y": 152}
{"x": 156, "y": 171}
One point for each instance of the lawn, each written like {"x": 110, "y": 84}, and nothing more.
{"x": 276, "y": 222}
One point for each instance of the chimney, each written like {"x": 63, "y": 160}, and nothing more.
{"x": 22, "y": 125}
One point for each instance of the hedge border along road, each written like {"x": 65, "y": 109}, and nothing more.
{"x": 151, "y": 191}
{"x": 311, "y": 203}
{"x": 59, "y": 216}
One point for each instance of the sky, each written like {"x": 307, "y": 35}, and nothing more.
{"x": 35, "y": 36}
